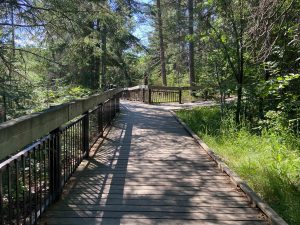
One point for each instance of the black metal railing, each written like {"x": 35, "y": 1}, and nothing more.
{"x": 27, "y": 182}
{"x": 153, "y": 94}
{"x": 34, "y": 178}
{"x": 165, "y": 96}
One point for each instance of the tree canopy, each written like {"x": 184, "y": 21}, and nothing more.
{"x": 53, "y": 51}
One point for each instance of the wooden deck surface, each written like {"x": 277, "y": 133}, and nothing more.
{"x": 148, "y": 170}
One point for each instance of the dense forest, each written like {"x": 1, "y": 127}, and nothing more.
{"x": 57, "y": 50}
{"x": 53, "y": 51}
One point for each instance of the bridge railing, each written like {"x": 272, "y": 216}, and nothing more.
{"x": 157, "y": 94}
{"x": 56, "y": 142}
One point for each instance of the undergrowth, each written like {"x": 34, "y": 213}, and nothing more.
{"x": 269, "y": 160}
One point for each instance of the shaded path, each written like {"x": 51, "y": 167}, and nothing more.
{"x": 150, "y": 171}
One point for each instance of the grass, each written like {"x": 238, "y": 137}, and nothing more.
{"x": 269, "y": 163}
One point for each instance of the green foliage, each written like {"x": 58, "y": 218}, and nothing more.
{"x": 54, "y": 51}
{"x": 269, "y": 162}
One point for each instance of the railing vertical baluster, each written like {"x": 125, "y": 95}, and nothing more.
{"x": 58, "y": 164}
{"x": 48, "y": 144}
{"x": 10, "y": 207}
{"x": 72, "y": 149}
{"x": 100, "y": 120}
{"x": 77, "y": 144}
{"x": 149, "y": 96}
{"x": 174, "y": 95}
{"x": 35, "y": 184}
{"x": 40, "y": 177}
{"x": 29, "y": 189}
{"x": 85, "y": 134}
{"x": 65, "y": 156}
{"x": 1, "y": 200}
{"x": 45, "y": 172}
{"x": 68, "y": 134}
{"x": 168, "y": 96}
{"x": 81, "y": 139}
{"x": 74, "y": 146}
{"x": 180, "y": 96}
{"x": 118, "y": 103}
{"x": 24, "y": 187}
{"x": 107, "y": 112}
{"x": 55, "y": 152}
{"x": 17, "y": 191}
{"x": 52, "y": 168}
{"x": 110, "y": 110}
{"x": 70, "y": 160}
{"x": 114, "y": 103}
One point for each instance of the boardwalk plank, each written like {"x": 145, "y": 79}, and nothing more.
{"x": 84, "y": 221}
{"x": 153, "y": 215}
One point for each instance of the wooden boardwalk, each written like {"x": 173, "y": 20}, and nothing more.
{"x": 148, "y": 170}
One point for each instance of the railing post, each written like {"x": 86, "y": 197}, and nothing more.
{"x": 115, "y": 104}
{"x": 180, "y": 96}
{"x": 149, "y": 96}
{"x": 100, "y": 119}
{"x": 110, "y": 111}
{"x": 143, "y": 94}
{"x": 118, "y": 102}
{"x": 55, "y": 164}
{"x": 85, "y": 134}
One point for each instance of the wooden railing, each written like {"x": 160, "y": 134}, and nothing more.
{"x": 56, "y": 141}
{"x": 156, "y": 94}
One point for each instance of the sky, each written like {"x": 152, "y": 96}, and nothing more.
{"x": 143, "y": 29}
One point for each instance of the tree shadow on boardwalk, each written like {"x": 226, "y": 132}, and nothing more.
{"x": 167, "y": 187}
{"x": 149, "y": 171}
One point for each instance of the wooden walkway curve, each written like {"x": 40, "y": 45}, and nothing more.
{"x": 148, "y": 170}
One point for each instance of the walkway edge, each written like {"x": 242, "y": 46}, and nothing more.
{"x": 272, "y": 216}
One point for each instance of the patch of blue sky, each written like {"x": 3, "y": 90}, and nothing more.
{"x": 143, "y": 26}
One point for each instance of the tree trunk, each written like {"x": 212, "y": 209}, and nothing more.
{"x": 240, "y": 62}
{"x": 191, "y": 43}
{"x": 161, "y": 45}
{"x": 240, "y": 80}
{"x": 8, "y": 80}
{"x": 97, "y": 62}
{"x": 103, "y": 57}
{"x": 239, "y": 104}
{"x": 181, "y": 45}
